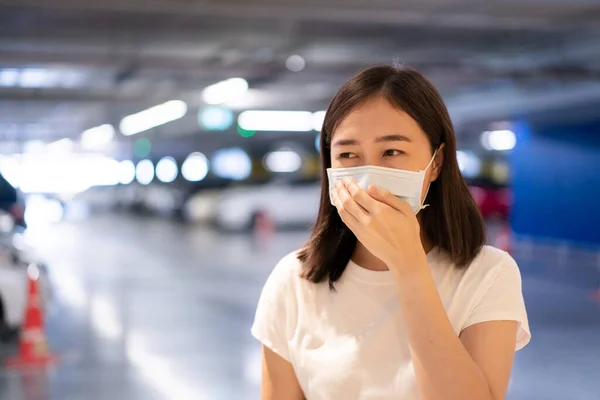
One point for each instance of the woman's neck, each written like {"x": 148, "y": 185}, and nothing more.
{"x": 366, "y": 259}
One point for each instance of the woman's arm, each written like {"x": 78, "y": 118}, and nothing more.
{"x": 445, "y": 367}
{"x": 475, "y": 366}
{"x": 279, "y": 380}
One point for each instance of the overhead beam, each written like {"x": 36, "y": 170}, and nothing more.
{"x": 59, "y": 95}
{"x": 299, "y": 12}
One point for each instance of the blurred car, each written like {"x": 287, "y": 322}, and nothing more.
{"x": 16, "y": 261}
{"x": 495, "y": 202}
{"x": 201, "y": 206}
{"x": 286, "y": 204}
{"x": 12, "y": 202}
{"x": 162, "y": 199}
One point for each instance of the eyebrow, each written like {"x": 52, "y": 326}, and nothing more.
{"x": 386, "y": 138}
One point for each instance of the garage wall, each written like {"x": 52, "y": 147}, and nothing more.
{"x": 556, "y": 179}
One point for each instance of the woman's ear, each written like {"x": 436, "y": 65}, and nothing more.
{"x": 438, "y": 162}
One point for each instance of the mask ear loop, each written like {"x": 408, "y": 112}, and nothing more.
{"x": 429, "y": 186}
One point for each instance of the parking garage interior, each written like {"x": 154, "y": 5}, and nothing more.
{"x": 159, "y": 157}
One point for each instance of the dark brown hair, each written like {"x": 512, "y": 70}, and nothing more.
{"x": 452, "y": 222}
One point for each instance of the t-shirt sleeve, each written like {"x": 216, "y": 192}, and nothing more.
{"x": 274, "y": 308}
{"x": 503, "y": 301}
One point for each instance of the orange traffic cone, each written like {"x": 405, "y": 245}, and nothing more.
{"x": 595, "y": 295}
{"x": 264, "y": 225}
{"x": 33, "y": 346}
{"x": 264, "y": 229}
{"x": 503, "y": 238}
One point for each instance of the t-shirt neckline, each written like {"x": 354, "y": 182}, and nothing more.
{"x": 380, "y": 277}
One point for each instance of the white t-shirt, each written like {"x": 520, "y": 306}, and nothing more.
{"x": 351, "y": 344}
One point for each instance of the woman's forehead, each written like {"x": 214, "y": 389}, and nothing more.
{"x": 377, "y": 119}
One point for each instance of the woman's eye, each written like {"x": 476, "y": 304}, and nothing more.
{"x": 393, "y": 152}
{"x": 347, "y": 155}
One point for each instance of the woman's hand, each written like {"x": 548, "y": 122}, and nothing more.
{"x": 383, "y": 223}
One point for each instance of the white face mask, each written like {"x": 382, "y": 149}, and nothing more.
{"x": 407, "y": 185}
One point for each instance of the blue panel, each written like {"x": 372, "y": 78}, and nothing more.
{"x": 556, "y": 181}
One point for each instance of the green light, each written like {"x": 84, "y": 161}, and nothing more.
{"x": 245, "y": 133}
{"x": 142, "y": 147}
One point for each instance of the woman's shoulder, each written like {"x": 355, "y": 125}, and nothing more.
{"x": 490, "y": 262}
{"x": 287, "y": 270}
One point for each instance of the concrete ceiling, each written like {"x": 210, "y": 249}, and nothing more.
{"x": 92, "y": 62}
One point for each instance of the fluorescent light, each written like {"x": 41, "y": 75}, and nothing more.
{"x": 166, "y": 170}
{"x": 9, "y": 77}
{"x": 500, "y": 140}
{"x": 283, "y": 161}
{"x": 34, "y": 146}
{"x": 153, "y": 117}
{"x": 318, "y": 118}
{"x": 37, "y": 78}
{"x": 144, "y": 172}
{"x": 224, "y": 91}
{"x": 295, "y": 63}
{"x": 61, "y": 146}
{"x": 468, "y": 163}
{"x": 97, "y": 137}
{"x": 42, "y": 211}
{"x": 284, "y": 121}
{"x": 11, "y": 170}
{"x": 215, "y": 118}
{"x": 232, "y": 163}
{"x": 127, "y": 172}
{"x": 195, "y": 167}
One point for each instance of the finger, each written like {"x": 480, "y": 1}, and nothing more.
{"x": 350, "y": 220}
{"x": 390, "y": 199}
{"x": 360, "y": 196}
{"x": 349, "y": 203}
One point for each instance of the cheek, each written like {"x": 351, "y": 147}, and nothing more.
{"x": 335, "y": 163}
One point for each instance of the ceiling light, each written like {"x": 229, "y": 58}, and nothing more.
{"x": 153, "y": 117}
{"x": 500, "y": 140}
{"x": 284, "y": 121}
{"x": 468, "y": 163}
{"x": 144, "y": 172}
{"x": 9, "y": 77}
{"x": 126, "y": 172}
{"x": 37, "y": 78}
{"x": 233, "y": 163}
{"x": 283, "y": 161}
{"x": 195, "y": 167}
{"x": 224, "y": 91}
{"x": 34, "y": 146}
{"x": 97, "y": 137}
{"x": 166, "y": 170}
{"x": 60, "y": 146}
{"x": 318, "y": 118}
{"x": 295, "y": 63}
{"x": 215, "y": 118}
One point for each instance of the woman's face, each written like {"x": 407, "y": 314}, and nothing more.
{"x": 379, "y": 134}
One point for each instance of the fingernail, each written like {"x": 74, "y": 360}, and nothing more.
{"x": 338, "y": 185}
{"x": 347, "y": 181}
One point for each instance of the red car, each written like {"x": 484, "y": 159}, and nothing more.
{"x": 494, "y": 202}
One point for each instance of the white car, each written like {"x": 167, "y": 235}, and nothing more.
{"x": 201, "y": 206}
{"x": 162, "y": 199}
{"x": 285, "y": 204}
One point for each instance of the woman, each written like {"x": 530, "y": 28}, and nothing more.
{"x": 394, "y": 296}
